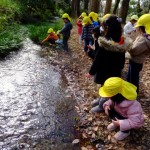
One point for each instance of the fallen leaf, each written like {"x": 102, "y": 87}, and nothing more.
{"x": 84, "y": 148}
{"x": 95, "y": 128}
{"x": 93, "y": 135}
{"x": 76, "y": 141}
{"x": 84, "y": 135}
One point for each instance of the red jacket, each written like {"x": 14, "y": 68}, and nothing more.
{"x": 79, "y": 24}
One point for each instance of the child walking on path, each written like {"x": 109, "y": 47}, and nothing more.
{"x": 122, "y": 107}
{"x": 66, "y": 30}
{"x": 140, "y": 50}
{"x": 87, "y": 33}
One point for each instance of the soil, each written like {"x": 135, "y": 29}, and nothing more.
{"x": 92, "y": 128}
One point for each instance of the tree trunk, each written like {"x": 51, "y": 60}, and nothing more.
{"x": 124, "y": 10}
{"x": 75, "y": 5}
{"x": 116, "y": 6}
{"x": 108, "y": 7}
{"x": 86, "y": 5}
{"x": 94, "y": 5}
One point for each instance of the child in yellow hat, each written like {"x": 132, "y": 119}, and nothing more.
{"x": 66, "y": 30}
{"x": 140, "y": 50}
{"x": 122, "y": 106}
{"x": 79, "y": 26}
{"x": 51, "y": 38}
{"x": 129, "y": 28}
{"x": 87, "y": 32}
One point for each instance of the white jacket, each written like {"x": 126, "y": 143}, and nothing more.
{"x": 128, "y": 28}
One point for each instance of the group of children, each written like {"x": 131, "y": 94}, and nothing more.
{"x": 118, "y": 97}
{"x": 106, "y": 42}
{"x": 62, "y": 36}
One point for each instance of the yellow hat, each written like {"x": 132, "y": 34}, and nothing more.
{"x": 105, "y": 17}
{"x": 116, "y": 85}
{"x": 134, "y": 17}
{"x": 50, "y": 30}
{"x": 144, "y": 20}
{"x": 84, "y": 14}
{"x": 86, "y": 20}
{"x": 64, "y": 16}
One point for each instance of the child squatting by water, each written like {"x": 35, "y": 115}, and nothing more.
{"x": 122, "y": 106}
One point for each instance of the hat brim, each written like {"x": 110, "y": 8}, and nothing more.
{"x": 103, "y": 93}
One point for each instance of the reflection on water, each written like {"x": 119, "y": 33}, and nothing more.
{"x": 33, "y": 110}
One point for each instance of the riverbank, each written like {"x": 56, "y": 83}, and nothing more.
{"x": 92, "y": 128}
{"x": 13, "y": 36}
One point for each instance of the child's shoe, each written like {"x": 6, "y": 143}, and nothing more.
{"x": 95, "y": 102}
{"x": 111, "y": 127}
{"x": 121, "y": 135}
{"x": 97, "y": 109}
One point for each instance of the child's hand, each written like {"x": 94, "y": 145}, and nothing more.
{"x": 116, "y": 122}
{"x": 90, "y": 47}
{"x": 88, "y": 75}
{"x": 106, "y": 109}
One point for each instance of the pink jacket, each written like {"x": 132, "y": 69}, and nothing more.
{"x": 79, "y": 24}
{"x": 131, "y": 110}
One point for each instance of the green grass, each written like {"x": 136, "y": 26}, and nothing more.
{"x": 39, "y": 31}
{"x": 12, "y": 37}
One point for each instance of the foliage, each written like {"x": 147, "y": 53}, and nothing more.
{"x": 11, "y": 38}
{"x": 9, "y": 12}
{"x": 38, "y": 32}
{"x": 37, "y": 11}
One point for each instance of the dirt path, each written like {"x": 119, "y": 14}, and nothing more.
{"x": 92, "y": 128}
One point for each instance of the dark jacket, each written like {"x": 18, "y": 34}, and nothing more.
{"x": 66, "y": 30}
{"x": 91, "y": 53}
{"x": 87, "y": 32}
{"x": 109, "y": 60}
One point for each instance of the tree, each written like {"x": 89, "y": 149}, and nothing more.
{"x": 85, "y": 5}
{"x": 108, "y": 7}
{"x": 75, "y": 5}
{"x": 124, "y": 10}
{"x": 116, "y": 6}
{"x": 94, "y": 5}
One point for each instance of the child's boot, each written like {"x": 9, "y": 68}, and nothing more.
{"x": 111, "y": 127}
{"x": 121, "y": 135}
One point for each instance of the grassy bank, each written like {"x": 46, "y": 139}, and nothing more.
{"x": 38, "y": 32}
{"x": 12, "y": 37}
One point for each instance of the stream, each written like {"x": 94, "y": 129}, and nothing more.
{"x": 35, "y": 112}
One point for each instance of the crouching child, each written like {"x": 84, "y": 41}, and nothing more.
{"x": 122, "y": 106}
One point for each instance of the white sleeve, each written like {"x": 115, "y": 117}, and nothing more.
{"x": 128, "y": 28}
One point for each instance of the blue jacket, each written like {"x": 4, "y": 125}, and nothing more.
{"x": 87, "y": 32}
{"x": 66, "y": 29}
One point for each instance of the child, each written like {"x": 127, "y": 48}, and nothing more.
{"x": 140, "y": 50}
{"x": 122, "y": 106}
{"x": 129, "y": 27}
{"x": 66, "y": 30}
{"x": 51, "y": 38}
{"x": 94, "y": 18}
{"x": 87, "y": 32}
{"x": 110, "y": 57}
{"x": 59, "y": 42}
{"x": 79, "y": 25}
{"x": 93, "y": 50}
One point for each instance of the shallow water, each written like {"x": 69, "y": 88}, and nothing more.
{"x": 35, "y": 112}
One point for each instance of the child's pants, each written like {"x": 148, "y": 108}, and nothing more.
{"x": 52, "y": 41}
{"x": 65, "y": 43}
{"x": 113, "y": 115}
{"x": 133, "y": 73}
{"x": 86, "y": 43}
